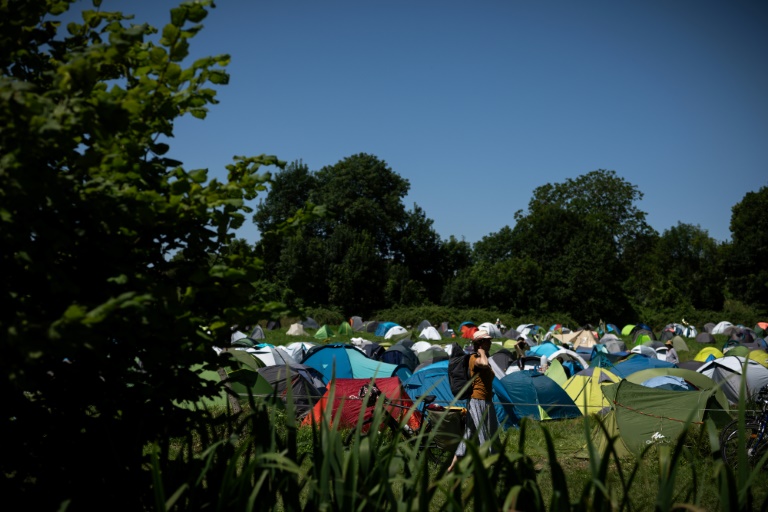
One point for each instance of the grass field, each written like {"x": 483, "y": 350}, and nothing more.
{"x": 546, "y": 467}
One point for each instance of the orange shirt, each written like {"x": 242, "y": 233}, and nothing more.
{"x": 482, "y": 388}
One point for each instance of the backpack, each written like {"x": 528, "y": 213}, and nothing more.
{"x": 458, "y": 373}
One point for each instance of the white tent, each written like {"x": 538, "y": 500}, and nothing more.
{"x": 237, "y": 335}
{"x": 299, "y": 349}
{"x": 644, "y": 350}
{"x": 296, "y": 330}
{"x": 430, "y": 333}
{"x": 721, "y": 327}
{"x": 421, "y": 346}
{"x": 271, "y": 355}
{"x": 569, "y": 355}
{"x": 728, "y": 372}
{"x": 494, "y": 331}
{"x": 394, "y": 331}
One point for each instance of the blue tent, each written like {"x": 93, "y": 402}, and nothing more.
{"x": 636, "y": 363}
{"x": 670, "y": 382}
{"x": 431, "y": 380}
{"x": 350, "y": 363}
{"x": 531, "y": 394}
{"x": 383, "y": 327}
{"x": 545, "y": 349}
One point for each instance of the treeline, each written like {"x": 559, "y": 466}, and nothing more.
{"x": 581, "y": 250}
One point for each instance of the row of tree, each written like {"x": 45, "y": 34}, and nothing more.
{"x": 582, "y": 247}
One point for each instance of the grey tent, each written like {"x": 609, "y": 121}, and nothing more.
{"x": 310, "y": 323}
{"x": 423, "y": 325}
{"x": 257, "y": 333}
{"x": 357, "y": 323}
{"x": 705, "y": 337}
{"x": 307, "y": 386}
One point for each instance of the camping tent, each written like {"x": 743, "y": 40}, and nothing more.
{"x": 584, "y": 388}
{"x": 583, "y": 338}
{"x": 728, "y": 372}
{"x": 357, "y": 323}
{"x": 494, "y": 331}
{"x": 324, "y": 333}
{"x": 271, "y": 355}
{"x": 705, "y": 337}
{"x": 350, "y": 363}
{"x": 430, "y": 380}
{"x": 430, "y": 333}
{"x": 761, "y": 356}
{"x": 395, "y": 330}
{"x": 636, "y": 363}
{"x": 306, "y": 385}
{"x": 721, "y": 327}
{"x": 433, "y": 354}
{"x": 708, "y": 354}
{"x": 310, "y": 323}
{"x": 421, "y": 346}
{"x": 383, "y": 327}
{"x": 531, "y": 394}
{"x": 627, "y": 330}
{"x": 643, "y": 416}
{"x": 296, "y": 330}
{"x": 401, "y": 354}
{"x": 299, "y": 349}
{"x": 679, "y": 344}
{"x": 345, "y": 329}
{"x": 467, "y": 329}
{"x": 257, "y": 333}
{"x": 345, "y": 407}
{"x": 645, "y": 350}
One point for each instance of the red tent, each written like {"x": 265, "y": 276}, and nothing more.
{"x": 468, "y": 330}
{"x": 346, "y": 395}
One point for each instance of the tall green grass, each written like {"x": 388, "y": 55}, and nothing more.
{"x": 262, "y": 459}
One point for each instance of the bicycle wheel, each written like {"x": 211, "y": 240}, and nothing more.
{"x": 754, "y": 446}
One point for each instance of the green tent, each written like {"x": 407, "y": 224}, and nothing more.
{"x": 627, "y": 330}
{"x": 345, "y": 329}
{"x": 641, "y": 416}
{"x": 324, "y": 333}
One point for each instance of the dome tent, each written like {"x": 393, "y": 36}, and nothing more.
{"x": 350, "y": 362}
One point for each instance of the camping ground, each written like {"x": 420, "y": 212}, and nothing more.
{"x": 636, "y": 485}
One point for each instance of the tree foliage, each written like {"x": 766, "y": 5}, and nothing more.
{"x": 114, "y": 255}
{"x": 363, "y": 250}
{"x": 747, "y": 268}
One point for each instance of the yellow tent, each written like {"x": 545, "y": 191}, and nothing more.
{"x": 557, "y": 374}
{"x": 706, "y": 352}
{"x": 761, "y": 356}
{"x": 585, "y": 389}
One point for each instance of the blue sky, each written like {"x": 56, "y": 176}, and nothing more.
{"x": 478, "y": 103}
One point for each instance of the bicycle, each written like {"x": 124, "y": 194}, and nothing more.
{"x": 438, "y": 429}
{"x": 755, "y": 432}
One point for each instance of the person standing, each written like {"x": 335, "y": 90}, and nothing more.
{"x": 482, "y": 422}
{"x": 671, "y": 353}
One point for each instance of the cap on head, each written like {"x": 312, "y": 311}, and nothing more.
{"x": 480, "y": 336}
{"x": 668, "y": 342}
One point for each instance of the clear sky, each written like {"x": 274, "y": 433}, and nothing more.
{"x": 478, "y": 103}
